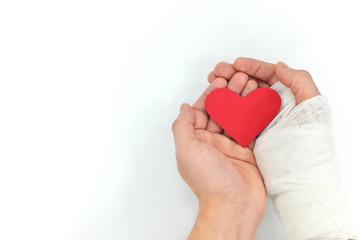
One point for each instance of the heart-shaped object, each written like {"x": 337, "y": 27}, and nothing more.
{"x": 243, "y": 118}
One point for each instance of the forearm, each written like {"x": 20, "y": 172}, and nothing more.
{"x": 223, "y": 221}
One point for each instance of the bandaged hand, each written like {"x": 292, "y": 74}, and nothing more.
{"x": 295, "y": 155}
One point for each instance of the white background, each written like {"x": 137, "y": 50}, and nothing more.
{"x": 89, "y": 89}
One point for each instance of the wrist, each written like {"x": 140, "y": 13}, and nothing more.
{"x": 223, "y": 219}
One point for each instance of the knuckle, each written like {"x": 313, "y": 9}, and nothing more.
{"x": 303, "y": 74}
{"x": 174, "y": 125}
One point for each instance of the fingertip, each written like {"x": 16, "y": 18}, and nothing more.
{"x": 185, "y": 108}
{"x": 184, "y": 111}
{"x": 224, "y": 70}
{"x": 186, "y": 116}
{"x": 211, "y": 77}
{"x": 220, "y": 83}
{"x": 182, "y": 106}
{"x": 250, "y": 86}
{"x": 238, "y": 82}
{"x": 239, "y": 60}
{"x": 217, "y": 83}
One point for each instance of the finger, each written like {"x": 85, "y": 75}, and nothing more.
{"x": 202, "y": 119}
{"x": 211, "y": 77}
{"x": 224, "y": 70}
{"x": 256, "y": 68}
{"x": 200, "y": 102}
{"x": 250, "y": 86}
{"x": 251, "y": 145}
{"x": 201, "y": 114}
{"x": 213, "y": 127}
{"x": 236, "y": 84}
{"x": 262, "y": 84}
{"x": 300, "y": 82}
{"x": 184, "y": 126}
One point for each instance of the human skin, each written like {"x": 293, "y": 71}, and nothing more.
{"x": 266, "y": 74}
{"x": 222, "y": 174}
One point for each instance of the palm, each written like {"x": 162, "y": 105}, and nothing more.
{"x": 228, "y": 170}
{"x": 219, "y": 167}
{"x": 223, "y": 170}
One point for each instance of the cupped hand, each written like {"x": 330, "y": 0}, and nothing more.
{"x": 215, "y": 167}
{"x": 304, "y": 185}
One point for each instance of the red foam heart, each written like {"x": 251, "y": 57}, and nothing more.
{"x": 243, "y": 118}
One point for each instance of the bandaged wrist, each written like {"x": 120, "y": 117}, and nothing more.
{"x": 295, "y": 157}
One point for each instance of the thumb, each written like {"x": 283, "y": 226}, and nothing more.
{"x": 300, "y": 82}
{"x": 184, "y": 126}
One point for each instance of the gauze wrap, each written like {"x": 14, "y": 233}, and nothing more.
{"x": 295, "y": 157}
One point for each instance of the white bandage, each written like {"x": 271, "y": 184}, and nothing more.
{"x": 295, "y": 157}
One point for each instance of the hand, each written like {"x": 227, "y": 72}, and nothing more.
{"x": 221, "y": 173}
{"x": 266, "y": 74}
{"x": 295, "y": 154}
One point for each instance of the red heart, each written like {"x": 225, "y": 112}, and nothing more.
{"x": 243, "y": 118}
